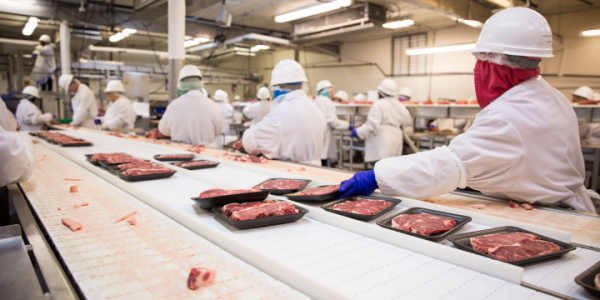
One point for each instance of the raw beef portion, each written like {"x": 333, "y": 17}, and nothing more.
{"x": 319, "y": 191}
{"x": 155, "y": 134}
{"x": 175, "y": 156}
{"x": 527, "y": 206}
{"x": 229, "y": 209}
{"x": 122, "y": 160}
{"x": 523, "y": 249}
{"x": 196, "y": 149}
{"x": 267, "y": 209}
{"x": 105, "y": 156}
{"x": 513, "y": 205}
{"x": 147, "y": 171}
{"x": 588, "y": 102}
{"x": 282, "y": 185}
{"x": 597, "y": 281}
{"x": 363, "y": 206}
{"x": 237, "y": 145}
{"x": 74, "y": 142}
{"x": 136, "y": 164}
{"x": 194, "y": 163}
{"x": 200, "y": 277}
{"x": 126, "y": 215}
{"x": 423, "y": 224}
{"x": 220, "y": 192}
{"x": 73, "y": 225}
{"x": 484, "y": 243}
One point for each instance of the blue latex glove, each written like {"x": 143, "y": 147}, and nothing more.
{"x": 353, "y": 134}
{"x": 351, "y": 128}
{"x": 362, "y": 184}
{"x": 97, "y": 122}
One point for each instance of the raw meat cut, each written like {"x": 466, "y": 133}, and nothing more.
{"x": 597, "y": 281}
{"x": 113, "y": 160}
{"x": 462, "y": 102}
{"x": 269, "y": 208}
{"x": 234, "y": 207}
{"x": 525, "y": 248}
{"x": 527, "y": 206}
{"x": 72, "y": 142}
{"x": 105, "y": 156}
{"x": 478, "y": 206}
{"x": 484, "y": 243}
{"x": 85, "y": 204}
{"x": 246, "y": 158}
{"x": 196, "y": 149}
{"x": 126, "y": 215}
{"x": 175, "y": 156}
{"x": 363, "y": 206}
{"x": 76, "y": 206}
{"x": 155, "y": 134}
{"x": 146, "y": 171}
{"x": 319, "y": 191}
{"x": 513, "y": 205}
{"x": 194, "y": 163}
{"x": 219, "y": 192}
{"x": 237, "y": 145}
{"x": 423, "y": 224}
{"x": 588, "y": 102}
{"x": 136, "y": 164}
{"x": 290, "y": 184}
{"x": 200, "y": 277}
{"x": 73, "y": 225}
{"x": 73, "y": 189}
{"x": 67, "y": 179}
{"x": 132, "y": 221}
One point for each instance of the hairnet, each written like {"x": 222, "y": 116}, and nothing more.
{"x": 191, "y": 83}
{"x": 496, "y": 58}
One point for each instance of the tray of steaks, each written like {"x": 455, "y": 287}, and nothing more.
{"x": 218, "y": 197}
{"x": 143, "y": 164}
{"x": 196, "y": 164}
{"x": 96, "y": 158}
{"x": 432, "y": 225}
{"x": 174, "y": 157}
{"x": 320, "y": 193}
{"x": 282, "y": 186}
{"x": 511, "y": 244}
{"x": 364, "y": 208}
{"x": 590, "y": 280}
{"x": 119, "y": 160}
{"x": 75, "y": 143}
{"x": 258, "y": 214}
{"x": 139, "y": 174}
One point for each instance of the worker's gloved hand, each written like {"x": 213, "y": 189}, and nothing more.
{"x": 362, "y": 184}
{"x": 353, "y": 134}
{"x": 351, "y": 128}
{"x": 97, "y": 122}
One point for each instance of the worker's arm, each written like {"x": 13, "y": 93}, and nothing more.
{"x": 264, "y": 137}
{"x": 407, "y": 121}
{"x": 164, "y": 125}
{"x": 332, "y": 119}
{"x": 249, "y": 110}
{"x": 371, "y": 127}
{"x": 46, "y": 50}
{"x": 16, "y": 157}
{"x": 122, "y": 118}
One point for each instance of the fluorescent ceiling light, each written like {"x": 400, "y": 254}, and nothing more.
{"x": 591, "y": 32}
{"x": 503, "y": 3}
{"x": 194, "y": 42}
{"x": 312, "y": 10}
{"x": 399, "y": 24}
{"x": 254, "y": 49}
{"x": 472, "y": 23}
{"x": 129, "y": 31}
{"x": 117, "y": 37}
{"x": 30, "y": 26}
{"x": 440, "y": 49}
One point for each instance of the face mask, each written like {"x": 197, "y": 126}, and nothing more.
{"x": 493, "y": 80}
{"x": 278, "y": 93}
{"x": 181, "y": 92}
{"x": 325, "y": 92}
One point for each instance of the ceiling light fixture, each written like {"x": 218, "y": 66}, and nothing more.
{"x": 121, "y": 35}
{"x": 440, "y": 49}
{"x": 30, "y": 26}
{"x": 194, "y": 42}
{"x": 312, "y": 10}
{"x": 502, "y": 3}
{"x": 261, "y": 47}
{"x": 399, "y": 24}
{"x": 472, "y": 23}
{"x": 591, "y": 32}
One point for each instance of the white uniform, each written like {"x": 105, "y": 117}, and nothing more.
{"x": 523, "y": 146}
{"x": 85, "y": 109}
{"x": 227, "y": 113}
{"x": 45, "y": 64}
{"x": 257, "y": 111}
{"x": 382, "y": 131}
{"x": 119, "y": 114}
{"x": 330, "y": 113}
{"x": 7, "y": 119}
{"x": 30, "y": 117}
{"x": 293, "y": 130}
{"x": 16, "y": 157}
{"x": 192, "y": 119}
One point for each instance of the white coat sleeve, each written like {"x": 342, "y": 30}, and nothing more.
{"x": 264, "y": 137}
{"x": 16, "y": 157}
{"x": 7, "y": 119}
{"x": 164, "y": 125}
{"x": 333, "y": 121}
{"x": 249, "y": 111}
{"x": 121, "y": 120}
{"x": 371, "y": 127}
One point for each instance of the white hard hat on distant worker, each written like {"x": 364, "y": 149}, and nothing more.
{"x": 584, "y": 92}
{"x": 236, "y": 98}
{"x": 115, "y": 86}
{"x": 189, "y": 71}
{"x": 263, "y": 93}
{"x": 388, "y": 87}
{"x": 287, "y": 71}
{"x": 64, "y": 81}
{"x": 342, "y": 95}
{"x": 406, "y": 91}
{"x": 31, "y": 90}
{"x": 45, "y": 38}
{"x": 323, "y": 84}
{"x": 359, "y": 97}
{"x": 221, "y": 95}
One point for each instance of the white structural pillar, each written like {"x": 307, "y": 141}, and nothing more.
{"x": 65, "y": 62}
{"x": 176, "y": 39}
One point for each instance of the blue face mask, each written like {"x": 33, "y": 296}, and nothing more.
{"x": 278, "y": 93}
{"x": 325, "y": 92}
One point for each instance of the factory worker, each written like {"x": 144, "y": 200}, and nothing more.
{"x": 340, "y": 97}
{"x": 323, "y": 101}
{"x": 7, "y": 119}
{"x": 514, "y": 149}
{"x": 258, "y": 110}
{"x": 222, "y": 99}
{"x": 16, "y": 157}
{"x": 83, "y": 101}
{"x": 295, "y": 128}
{"x": 29, "y": 116}
{"x": 45, "y": 64}
{"x": 192, "y": 118}
{"x": 405, "y": 94}
{"x": 583, "y": 93}
{"x": 119, "y": 113}
{"x": 383, "y": 129}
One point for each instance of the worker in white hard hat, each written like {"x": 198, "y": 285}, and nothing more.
{"x": 192, "y": 118}
{"x": 258, "y": 110}
{"x": 28, "y": 114}
{"x": 16, "y": 157}
{"x": 523, "y": 144}
{"x": 405, "y": 94}
{"x": 7, "y": 119}
{"x": 359, "y": 97}
{"x": 119, "y": 113}
{"x": 385, "y": 122}
{"x": 222, "y": 99}
{"x": 83, "y": 101}
{"x": 323, "y": 101}
{"x": 583, "y": 93}
{"x": 340, "y": 97}
{"x": 43, "y": 69}
{"x": 295, "y": 128}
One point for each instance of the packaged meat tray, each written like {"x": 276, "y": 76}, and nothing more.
{"x": 122, "y": 167}
{"x": 89, "y": 159}
{"x": 196, "y": 164}
{"x": 174, "y": 157}
{"x": 590, "y": 280}
{"x": 282, "y": 186}
{"x": 362, "y": 217}
{"x": 222, "y": 200}
{"x": 75, "y": 144}
{"x": 320, "y": 193}
{"x": 147, "y": 176}
{"x": 435, "y": 237}
{"x": 463, "y": 242}
{"x": 261, "y": 222}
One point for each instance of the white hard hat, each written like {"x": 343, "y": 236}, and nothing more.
{"x": 406, "y": 91}
{"x": 359, "y": 97}
{"x": 287, "y": 71}
{"x": 388, "y": 87}
{"x": 263, "y": 93}
{"x": 189, "y": 71}
{"x": 221, "y": 95}
{"x": 516, "y": 31}
{"x": 31, "y": 90}
{"x": 585, "y": 92}
{"x": 64, "y": 81}
{"x": 323, "y": 84}
{"x": 236, "y": 98}
{"x": 115, "y": 86}
{"x": 45, "y": 38}
{"x": 597, "y": 96}
{"x": 342, "y": 95}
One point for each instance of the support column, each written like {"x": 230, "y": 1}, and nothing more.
{"x": 65, "y": 63}
{"x": 19, "y": 72}
{"x": 176, "y": 39}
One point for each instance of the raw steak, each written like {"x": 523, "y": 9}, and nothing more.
{"x": 363, "y": 206}
{"x": 229, "y": 209}
{"x": 154, "y": 134}
{"x": 122, "y": 159}
{"x": 196, "y": 149}
{"x": 136, "y": 164}
{"x": 237, "y": 145}
{"x": 105, "y": 156}
{"x": 513, "y": 205}
{"x": 282, "y": 185}
{"x": 266, "y": 209}
{"x": 200, "y": 277}
{"x": 597, "y": 281}
{"x": 423, "y": 224}
{"x": 175, "y": 156}
{"x": 73, "y": 225}
{"x": 484, "y": 243}
{"x": 525, "y": 248}
{"x": 220, "y": 192}
{"x": 194, "y": 163}
{"x": 527, "y": 206}
{"x": 148, "y": 171}
{"x": 319, "y": 191}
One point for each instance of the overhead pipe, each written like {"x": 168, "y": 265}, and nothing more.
{"x": 65, "y": 62}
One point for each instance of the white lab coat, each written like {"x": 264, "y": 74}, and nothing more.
{"x": 85, "y": 109}
{"x": 45, "y": 64}
{"x": 330, "y": 113}
{"x": 227, "y": 113}
{"x": 7, "y": 119}
{"x": 257, "y": 111}
{"x": 523, "y": 146}
{"x": 382, "y": 131}
{"x": 30, "y": 117}
{"x": 16, "y": 157}
{"x": 119, "y": 114}
{"x": 293, "y": 130}
{"x": 192, "y": 119}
